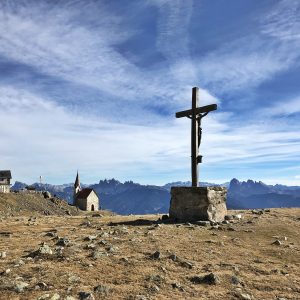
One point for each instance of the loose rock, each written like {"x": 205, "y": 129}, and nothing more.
{"x": 5, "y": 272}
{"x": 41, "y": 285}
{"x": 173, "y": 257}
{"x": 51, "y": 234}
{"x": 203, "y": 223}
{"x": 44, "y": 249}
{"x": 155, "y": 255}
{"x": 207, "y": 279}
{"x": 164, "y": 217}
{"x": 90, "y": 238}
{"x": 20, "y": 286}
{"x": 102, "y": 290}
{"x": 3, "y": 254}
{"x": 63, "y": 241}
{"x": 98, "y": 254}
{"x": 55, "y": 297}
{"x": 46, "y": 195}
{"x": 90, "y": 246}
{"x": 242, "y": 296}
{"x": 186, "y": 264}
{"x": 44, "y": 297}
{"x": 154, "y": 289}
{"x": 225, "y": 222}
{"x": 277, "y": 242}
{"x": 237, "y": 217}
{"x": 257, "y": 211}
{"x": 235, "y": 280}
{"x": 176, "y": 285}
{"x": 86, "y": 223}
{"x": 86, "y": 296}
{"x": 231, "y": 229}
{"x": 74, "y": 279}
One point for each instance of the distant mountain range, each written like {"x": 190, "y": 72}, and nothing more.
{"x": 252, "y": 194}
{"x": 133, "y": 198}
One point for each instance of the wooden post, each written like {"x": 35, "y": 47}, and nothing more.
{"x": 194, "y": 137}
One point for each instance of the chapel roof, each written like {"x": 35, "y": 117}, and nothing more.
{"x": 84, "y": 193}
{"x": 5, "y": 174}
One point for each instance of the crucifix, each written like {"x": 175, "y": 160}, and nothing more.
{"x": 196, "y": 114}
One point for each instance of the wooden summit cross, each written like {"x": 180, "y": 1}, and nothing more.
{"x": 196, "y": 114}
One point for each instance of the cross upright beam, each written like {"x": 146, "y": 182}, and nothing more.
{"x": 196, "y": 114}
{"x": 194, "y": 137}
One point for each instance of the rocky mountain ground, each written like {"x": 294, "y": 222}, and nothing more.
{"x": 253, "y": 255}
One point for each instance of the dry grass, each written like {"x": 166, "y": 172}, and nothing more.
{"x": 266, "y": 271}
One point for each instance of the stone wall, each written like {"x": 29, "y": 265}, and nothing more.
{"x": 4, "y": 188}
{"x": 198, "y": 203}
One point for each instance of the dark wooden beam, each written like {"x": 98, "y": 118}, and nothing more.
{"x": 199, "y": 110}
{"x": 194, "y": 137}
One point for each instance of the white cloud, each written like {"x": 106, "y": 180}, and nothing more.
{"x": 284, "y": 108}
{"x": 283, "y": 21}
{"x": 40, "y": 138}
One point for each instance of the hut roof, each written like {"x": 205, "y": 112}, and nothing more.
{"x": 5, "y": 174}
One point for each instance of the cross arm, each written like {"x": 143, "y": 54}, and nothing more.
{"x": 199, "y": 110}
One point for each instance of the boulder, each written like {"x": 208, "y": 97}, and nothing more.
{"x": 47, "y": 195}
{"x": 190, "y": 204}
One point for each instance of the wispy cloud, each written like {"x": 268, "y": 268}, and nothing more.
{"x": 285, "y": 108}
{"x": 73, "y": 99}
{"x": 85, "y": 54}
{"x": 65, "y": 48}
{"x": 245, "y": 63}
{"x": 250, "y": 60}
{"x": 172, "y": 26}
{"x": 173, "y": 38}
{"x": 283, "y": 22}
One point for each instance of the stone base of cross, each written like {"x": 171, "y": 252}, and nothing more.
{"x": 190, "y": 204}
{"x": 196, "y": 114}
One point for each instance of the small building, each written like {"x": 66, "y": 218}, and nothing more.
{"x": 85, "y": 199}
{"x": 5, "y": 177}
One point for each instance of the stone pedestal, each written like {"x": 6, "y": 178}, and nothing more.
{"x": 190, "y": 204}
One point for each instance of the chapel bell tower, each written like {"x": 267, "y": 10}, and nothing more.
{"x": 77, "y": 187}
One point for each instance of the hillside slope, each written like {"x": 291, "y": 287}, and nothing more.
{"x": 33, "y": 204}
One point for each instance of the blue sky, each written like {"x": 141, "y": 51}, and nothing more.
{"x": 94, "y": 86}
